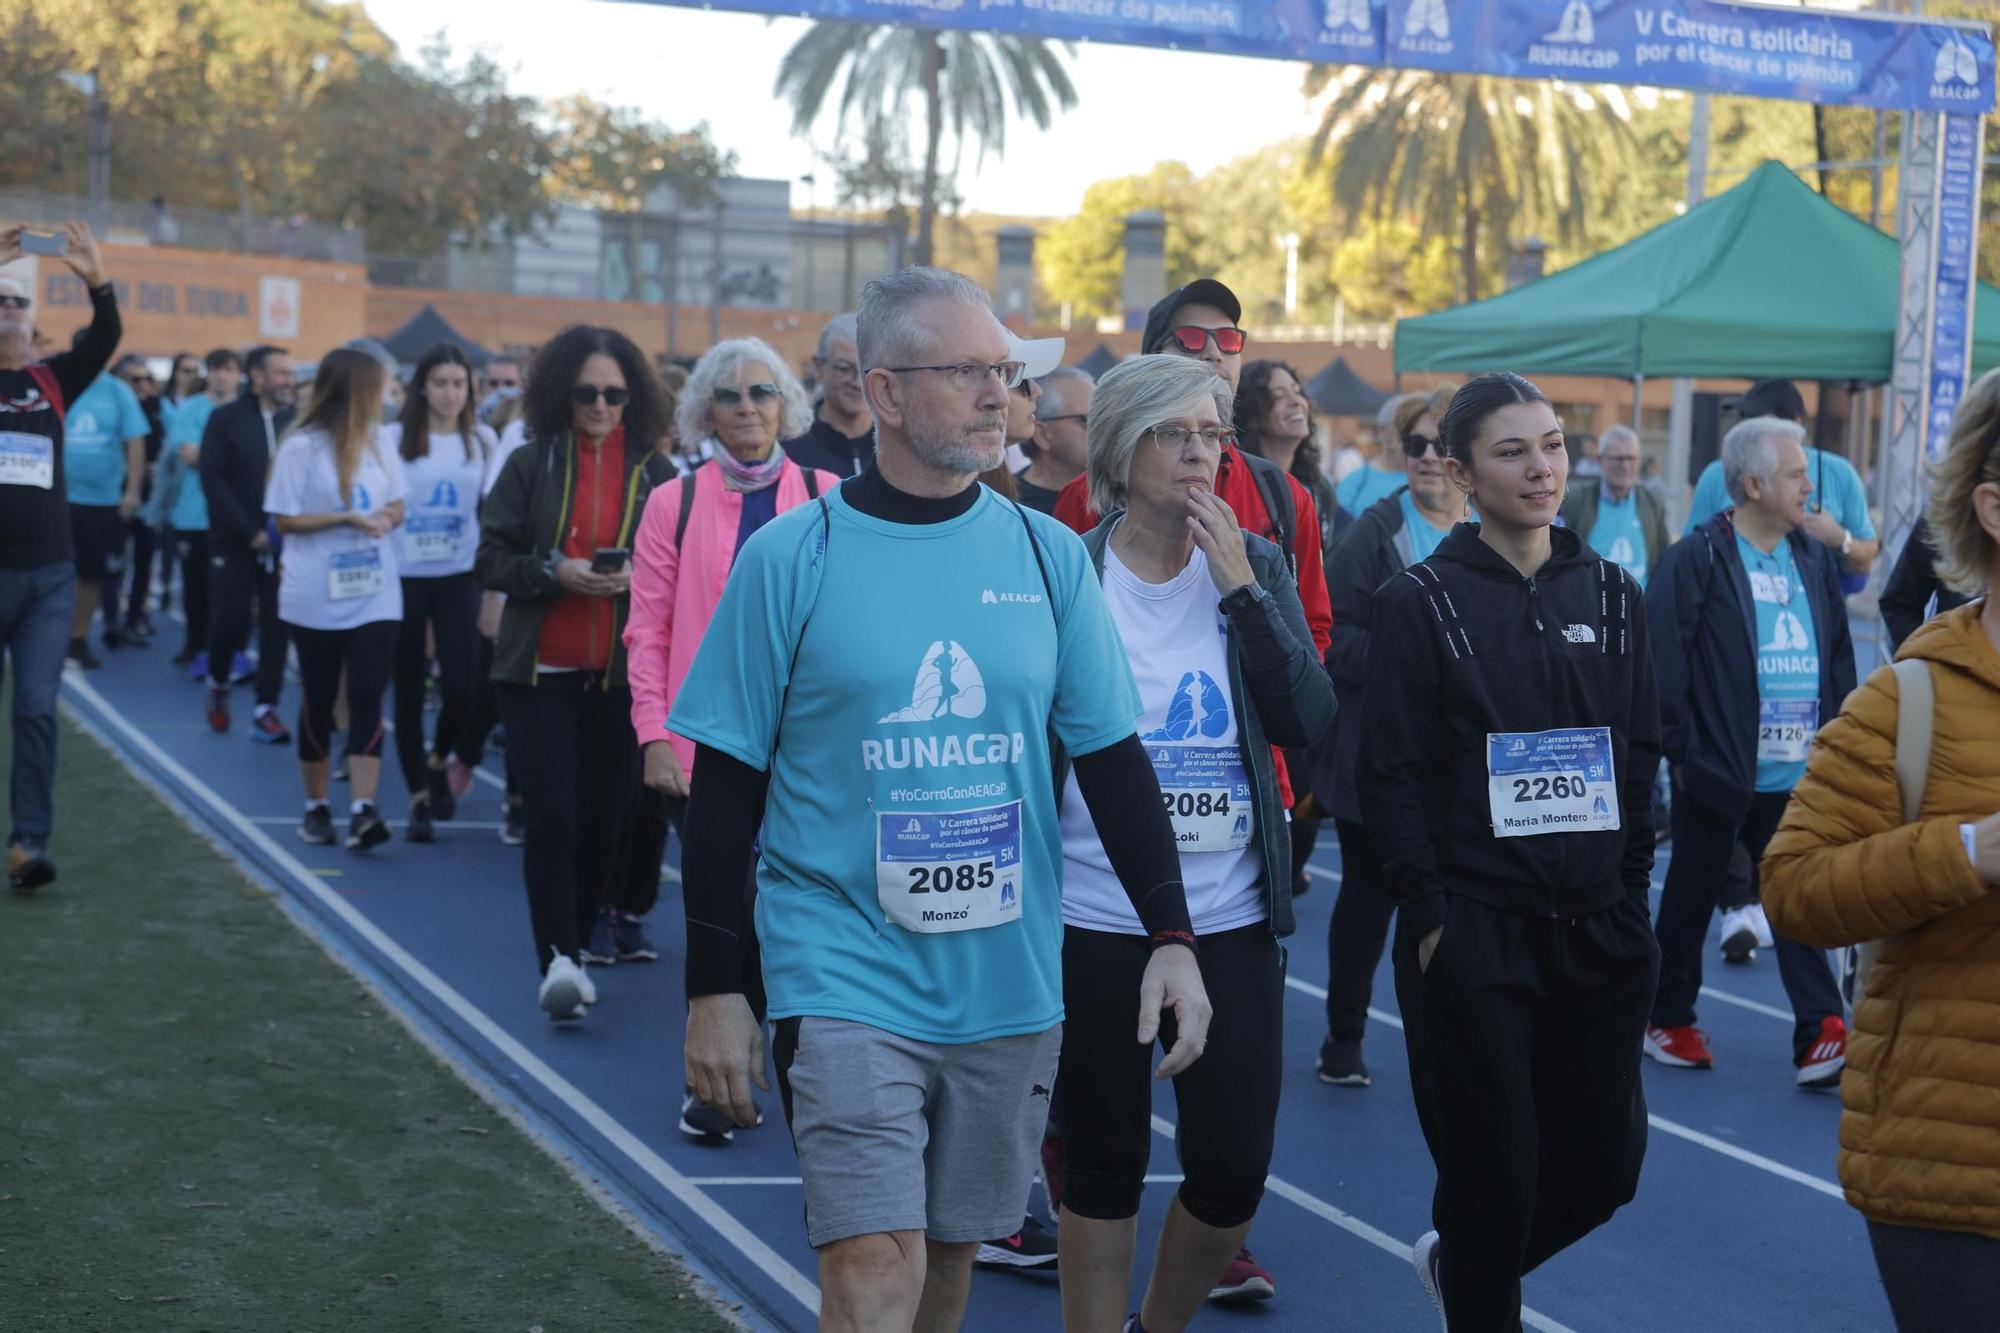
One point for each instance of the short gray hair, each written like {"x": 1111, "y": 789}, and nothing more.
{"x": 889, "y": 330}
{"x": 1751, "y": 450}
{"x": 1618, "y": 432}
{"x": 1134, "y": 397}
{"x": 841, "y": 328}
{"x": 721, "y": 360}
{"x": 1052, "y": 388}
{"x": 1385, "y": 415}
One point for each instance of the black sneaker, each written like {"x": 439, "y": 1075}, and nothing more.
{"x": 420, "y": 828}
{"x": 1033, "y": 1246}
{"x": 628, "y": 932}
{"x": 80, "y": 654}
{"x": 29, "y": 867}
{"x": 1340, "y": 1063}
{"x": 514, "y": 825}
{"x": 705, "y": 1124}
{"x": 317, "y": 827}
{"x": 599, "y": 950}
{"x": 366, "y": 830}
{"x": 139, "y": 627}
{"x": 444, "y": 805}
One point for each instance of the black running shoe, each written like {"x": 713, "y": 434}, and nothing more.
{"x": 366, "y": 830}
{"x": 705, "y": 1124}
{"x": 29, "y": 867}
{"x": 420, "y": 828}
{"x": 317, "y": 827}
{"x": 629, "y": 934}
{"x": 80, "y": 655}
{"x": 1033, "y": 1246}
{"x": 444, "y": 805}
{"x": 1340, "y": 1063}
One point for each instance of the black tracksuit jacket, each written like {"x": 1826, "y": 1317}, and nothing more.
{"x": 1462, "y": 646}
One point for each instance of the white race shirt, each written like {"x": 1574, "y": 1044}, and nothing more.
{"x": 1176, "y": 636}
{"x": 339, "y": 577}
{"x": 440, "y": 532}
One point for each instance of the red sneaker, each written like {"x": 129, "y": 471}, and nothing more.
{"x": 1680, "y": 1048}
{"x": 1820, "y": 1066}
{"x": 218, "y": 708}
{"x": 1243, "y": 1280}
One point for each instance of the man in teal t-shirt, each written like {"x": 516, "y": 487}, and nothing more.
{"x": 1620, "y": 519}
{"x": 104, "y": 473}
{"x": 872, "y": 702}
{"x": 181, "y": 500}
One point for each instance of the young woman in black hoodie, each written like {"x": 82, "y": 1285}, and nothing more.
{"x": 1506, "y": 771}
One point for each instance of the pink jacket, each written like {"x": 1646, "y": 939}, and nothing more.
{"x": 675, "y": 591}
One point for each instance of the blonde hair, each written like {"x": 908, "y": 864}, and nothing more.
{"x": 1413, "y": 407}
{"x": 346, "y": 404}
{"x": 1964, "y": 551}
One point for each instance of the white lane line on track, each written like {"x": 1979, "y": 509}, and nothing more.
{"x": 1661, "y": 1123}
{"x": 712, "y": 1214}
{"x": 733, "y": 1181}
{"x": 1354, "y": 1226}
{"x": 1770, "y": 1010}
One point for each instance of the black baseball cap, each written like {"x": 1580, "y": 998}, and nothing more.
{"x": 1202, "y": 291}
{"x": 1772, "y": 398}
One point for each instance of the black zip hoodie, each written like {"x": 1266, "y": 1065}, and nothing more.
{"x": 1463, "y": 646}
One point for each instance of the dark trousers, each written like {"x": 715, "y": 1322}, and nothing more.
{"x": 579, "y": 762}
{"x": 635, "y": 872}
{"x": 366, "y": 654}
{"x": 1704, "y": 842}
{"x": 1937, "y": 1281}
{"x": 35, "y": 609}
{"x": 192, "y": 548}
{"x": 1356, "y": 935}
{"x": 450, "y": 606}
{"x": 145, "y": 539}
{"x": 1523, "y": 1036}
{"x": 240, "y": 578}
{"x": 1739, "y": 885}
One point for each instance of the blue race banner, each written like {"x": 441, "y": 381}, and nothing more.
{"x": 1948, "y": 362}
{"x": 1799, "y": 55}
{"x": 1808, "y": 55}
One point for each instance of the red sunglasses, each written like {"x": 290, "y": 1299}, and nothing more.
{"x": 1194, "y": 338}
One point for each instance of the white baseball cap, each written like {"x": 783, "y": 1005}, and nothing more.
{"x": 1039, "y": 355}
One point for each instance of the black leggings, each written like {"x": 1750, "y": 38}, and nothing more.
{"x": 366, "y": 653}
{"x": 451, "y": 605}
{"x": 1228, "y": 1100}
{"x": 1357, "y": 933}
{"x": 1937, "y": 1280}
{"x": 192, "y": 550}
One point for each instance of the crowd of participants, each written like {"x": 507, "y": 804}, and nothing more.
{"x": 1017, "y": 699}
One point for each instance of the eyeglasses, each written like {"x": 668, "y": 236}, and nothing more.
{"x": 968, "y": 375}
{"x": 1175, "y": 438}
{"x": 9, "y": 301}
{"x": 1416, "y": 445}
{"x": 760, "y": 394}
{"x": 1193, "y": 339}
{"x": 845, "y": 370}
{"x": 584, "y": 395}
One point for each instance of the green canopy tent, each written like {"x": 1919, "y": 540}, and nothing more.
{"x": 1766, "y": 279}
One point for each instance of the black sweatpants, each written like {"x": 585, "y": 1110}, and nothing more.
{"x": 192, "y": 550}
{"x": 1937, "y": 1281}
{"x": 238, "y": 579}
{"x": 366, "y": 653}
{"x": 450, "y": 605}
{"x": 1357, "y": 933}
{"x": 1228, "y": 1100}
{"x": 570, "y": 746}
{"x": 145, "y": 538}
{"x": 1523, "y": 1036}
{"x": 1704, "y": 843}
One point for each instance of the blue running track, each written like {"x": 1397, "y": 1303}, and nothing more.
{"x": 1738, "y": 1224}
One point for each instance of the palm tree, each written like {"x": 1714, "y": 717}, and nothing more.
{"x": 1471, "y": 153}
{"x": 963, "y": 78}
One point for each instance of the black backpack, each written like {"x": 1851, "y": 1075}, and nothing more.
{"x": 1275, "y": 486}
{"x": 687, "y": 496}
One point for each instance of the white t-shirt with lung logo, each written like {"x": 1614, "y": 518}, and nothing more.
{"x": 1176, "y": 637}
{"x": 440, "y": 532}
{"x": 338, "y": 577}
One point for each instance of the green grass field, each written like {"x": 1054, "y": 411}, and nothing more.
{"x": 206, "y": 1124}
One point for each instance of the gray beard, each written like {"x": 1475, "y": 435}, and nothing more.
{"x": 957, "y": 454}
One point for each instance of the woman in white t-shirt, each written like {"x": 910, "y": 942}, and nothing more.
{"x": 444, "y": 451}
{"x": 1225, "y": 667}
{"x": 337, "y": 496}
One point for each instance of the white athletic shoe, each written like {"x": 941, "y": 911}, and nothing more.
{"x": 1762, "y": 925}
{"x": 585, "y": 987}
{"x": 562, "y": 989}
{"x": 1424, "y": 1258}
{"x": 1739, "y": 934}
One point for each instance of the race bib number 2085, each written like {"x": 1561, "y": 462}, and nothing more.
{"x": 943, "y": 871}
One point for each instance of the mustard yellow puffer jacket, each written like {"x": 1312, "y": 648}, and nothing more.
{"x": 1920, "y": 1133}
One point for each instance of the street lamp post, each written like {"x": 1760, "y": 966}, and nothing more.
{"x": 812, "y": 241}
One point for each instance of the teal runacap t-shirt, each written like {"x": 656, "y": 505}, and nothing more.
{"x": 95, "y": 429}
{"x": 188, "y": 511}
{"x": 1787, "y": 666}
{"x": 898, "y": 682}
{"x": 1364, "y": 486}
{"x": 1619, "y": 536}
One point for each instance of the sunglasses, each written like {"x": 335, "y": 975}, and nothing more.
{"x": 760, "y": 394}
{"x": 1416, "y": 446}
{"x": 1193, "y": 339}
{"x": 584, "y": 395}
{"x": 9, "y": 301}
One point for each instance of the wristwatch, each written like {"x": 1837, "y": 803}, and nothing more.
{"x": 1242, "y": 599}
{"x": 1846, "y": 542}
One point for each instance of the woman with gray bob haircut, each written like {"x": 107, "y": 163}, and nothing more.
{"x": 1176, "y": 568}
{"x": 741, "y": 396}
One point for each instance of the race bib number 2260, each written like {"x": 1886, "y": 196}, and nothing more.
{"x": 1558, "y": 781}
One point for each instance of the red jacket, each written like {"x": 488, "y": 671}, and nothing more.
{"x": 578, "y": 631}
{"x": 1239, "y": 491}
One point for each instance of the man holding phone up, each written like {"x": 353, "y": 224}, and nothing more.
{"x": 37, "y": 552}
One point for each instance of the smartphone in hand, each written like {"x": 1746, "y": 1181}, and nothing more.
{"x": 36, "y": 243}
{"x": 609, "y": 559}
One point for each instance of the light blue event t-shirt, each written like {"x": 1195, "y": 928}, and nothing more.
{"x": 911, "y": 856}
{"x": 1424, "y": 535}
{"x": 1837, "y": 489}
{"x": 1364, "y": 486}
{"x": 1787, "y": 666}
{"x": 188, "y": 511}
{"x": 1619, "y": 536}
{"x": 95, "y": 429}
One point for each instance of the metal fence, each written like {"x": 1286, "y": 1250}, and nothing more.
{"x": 192, "y": 228}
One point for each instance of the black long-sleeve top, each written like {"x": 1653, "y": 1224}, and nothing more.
{"x": 34, "y": 519}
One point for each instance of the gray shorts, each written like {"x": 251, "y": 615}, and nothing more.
{"x": 900, "y": 1135}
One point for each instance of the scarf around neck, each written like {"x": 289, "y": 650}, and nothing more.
{"x": 741, "y": 476}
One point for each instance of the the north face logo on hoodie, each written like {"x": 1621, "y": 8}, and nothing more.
{"x": 1580, "y": 634}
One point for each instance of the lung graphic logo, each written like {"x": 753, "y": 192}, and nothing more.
{"x": 1956, "y": 63}
{"x": 1788, "y": 635}
{"x": 444, "y": 495}
{"x": 1427, "y": 17}
{"x": 362, "y": 504}
{"x": 1578, "y": 25}
{"x": 1199, "y": 711}
{"x": 1347, "y": 14}
{"x": 948, "y": 685}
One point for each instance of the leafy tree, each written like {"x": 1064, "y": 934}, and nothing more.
{"x": 963, "y": 80}
{"x": 1081, "y": 258}
{"x": 1385, "y": 269}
